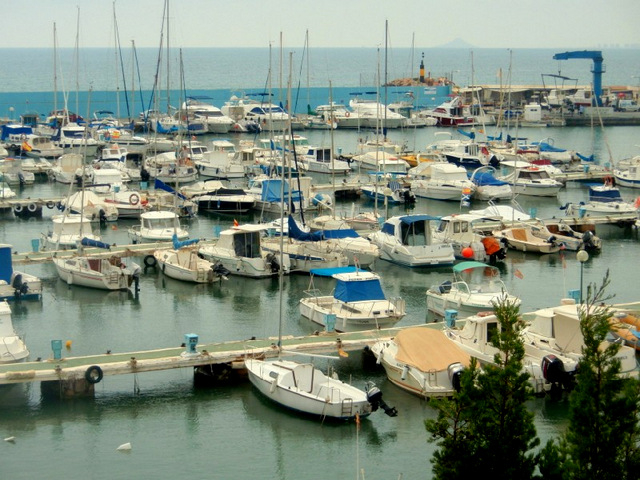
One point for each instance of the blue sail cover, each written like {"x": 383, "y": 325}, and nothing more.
{"x": 177, "y": 244}
{"x": 88, "y": 242}
{"x": 471, "y": 135}
{"x": 545, "y": 147}
{"x": 358, "y": 291}
{"x": 297, "y": 234}
{"x": 590, "y": 158}
{"x": 160, "y": 185}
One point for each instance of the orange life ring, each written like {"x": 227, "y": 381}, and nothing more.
{"x": 134, "y": 199}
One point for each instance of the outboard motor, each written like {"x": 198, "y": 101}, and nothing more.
{"x": 272, "y": 262}
{"x": 374, "y": 395}
{"x": 221, "y": 271}
{"x": 144, "y": 175}
{"x": 455, "y": 375}
{"x": 19, "y": 287}
{"x": 589, "y": 241}
{"x": 553, "y": 370}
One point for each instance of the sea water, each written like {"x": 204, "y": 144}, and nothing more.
{"x": 178, "y": 430}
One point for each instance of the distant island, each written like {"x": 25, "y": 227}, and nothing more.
{"x": 457, "y": 43}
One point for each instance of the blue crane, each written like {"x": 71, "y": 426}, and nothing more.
{"x": 597, "y": 71}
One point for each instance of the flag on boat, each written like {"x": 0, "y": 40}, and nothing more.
{"x": 518, "y": 273}
{"x": 235, "y": 222}
{"x": 26, "y": 147}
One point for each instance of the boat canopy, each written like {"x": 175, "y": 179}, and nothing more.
{"x": 296, "y": 233}
{"x": 389, "y": 228}
{"x": 358, "y": 291}
{"x": 459, "y": 267}
{"x": 487, "y": 179}
{"x": 271, "y": 191}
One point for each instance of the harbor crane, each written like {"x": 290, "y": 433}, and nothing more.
{"x": 598, "y": 68}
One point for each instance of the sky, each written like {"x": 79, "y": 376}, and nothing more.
{"x": 575, "y": 24}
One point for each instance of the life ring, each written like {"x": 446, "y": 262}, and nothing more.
{"x": 150, "y": 261}
{"x": 134, "y": 199}
{"x": 347, "y": 114}
{"x": 93, "y": 374}
{"x": 32, "y": 207}
{"x": 18, "y": 208}
{"x": 51, "y": 204}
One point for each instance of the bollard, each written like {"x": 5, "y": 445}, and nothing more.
{"x": 330, "y": 322}
{"x": 191, "y": 342}
{"x": 35, "y": 245}
{"x": 450, "y": 317}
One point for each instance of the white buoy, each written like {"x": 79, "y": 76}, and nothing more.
{"x": 10, "y": 439}
{"x": 125, "y": 447}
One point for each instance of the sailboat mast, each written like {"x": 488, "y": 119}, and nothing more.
{"x": 168, "y": 73}
{"x": 77, "y": 60}
{"x": 55, "y": 68}
{"x": 115, "y": 51}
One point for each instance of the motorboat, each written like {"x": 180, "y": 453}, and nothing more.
{"x": 99, "y": 272}
{"x": 373, "y": 114}
{"x": 40, "y": 146}
{"x": 306, "y": 389}
{"x": 547, "y": 370}
{"x": 67, "y": 232}
{"x": 223, "y": 199}
{"x": 75, "y": 138}
{"x": 528, "y": 179}
{"x": 469, "y": 244}
{"x": 321, "y": 160}
{"x": 157, "y": 226}
{"x": 239, "y": 250}
{"x": 471, "y": 155}
{"x": 124, "y": 138}
{"x": 170, "y": 168}
{"x": 626, "y": 327}
{"x": 114, "y": 158}
{"x": 380, "y": 161}
{"x": 212, "y": 116}
{"x": 488, "y": 187}
{"x": 421, "y": 361}
{"x": 91, "y": 205}
{"x": 14, "y": 284}
{"x": 524, "y": 238}
{"x": 392, "y": 192}
{"x": 358, "y": 250}
{"x": 568, "y": 239}
{"x": 408, "y": 240}
{"x": 221, "y": 162}
{"x": 358, "y": 302}
{"x": 476, "y": 287}
{"x": 127, "y": 202}
{"x": 269, "y": 116}
{"x": 445, "y": 182}
{"x": 183, "y": 263}
{"x": 363, "y": 223}
{"x": 557, "y": 331}
{"x": 603, "y": 199}
{"x": 12, "y": 173}
{"x": 627, "y": 173}
{"x": 449, "y": 114}
{"x": 338, "y": 113}
{"x": 67, "y": 168}
{"x": 12, "y": 346}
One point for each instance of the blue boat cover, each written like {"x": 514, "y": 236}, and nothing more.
{"x": 329, "y": 272}
{"x": 88, "y": 242}
{"x": 14, "y": 130}
{"x": 358, "y": 291}
{"x": 160, "y": 185}
{"x": 590, "y": 158}
{"x": 486, "y": 178}
{"x": 271, "y": 191}
{"x": 545, "y": 147}
{"x": 612, "y": 195}
{"x": 6, "y": 265}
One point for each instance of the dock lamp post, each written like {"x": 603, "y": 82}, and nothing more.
{"x": 582, "y": 257}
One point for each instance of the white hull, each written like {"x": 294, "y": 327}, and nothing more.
{"x": 305, "y": 389}
{"x": 185, "y": 266}
{"x": 75, "y": 272}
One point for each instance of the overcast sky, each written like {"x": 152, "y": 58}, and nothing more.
{"x": 576, "y": 24}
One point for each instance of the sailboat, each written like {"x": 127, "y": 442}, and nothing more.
{"x": 301, "y": 386}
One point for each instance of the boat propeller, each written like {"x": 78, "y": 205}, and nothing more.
{"x": 374, "y": 395}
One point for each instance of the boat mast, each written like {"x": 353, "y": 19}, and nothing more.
{"x": 77, "y": 60}
{"x": 55, "y": 68}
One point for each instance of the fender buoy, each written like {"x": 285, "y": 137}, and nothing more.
{"x": 347, "y": 114}
{"x": 150, "y": 261}
{"x": 93, "y": 374}
{"x": 32, "y": 207}
{"x": 134, "y": 199}
{"x": 18, "y": 208}
{"x": 50, "y": 204}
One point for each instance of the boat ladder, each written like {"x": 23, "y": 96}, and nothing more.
{"x": 347, "y": 406}
{"x": 114, "y": 277}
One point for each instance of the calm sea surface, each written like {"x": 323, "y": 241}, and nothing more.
{"x": 177, "y": 430}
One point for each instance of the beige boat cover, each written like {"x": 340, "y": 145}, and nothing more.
{"x": 428, "y": 349}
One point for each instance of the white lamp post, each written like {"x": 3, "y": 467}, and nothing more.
{"x": 582, "y": 257}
